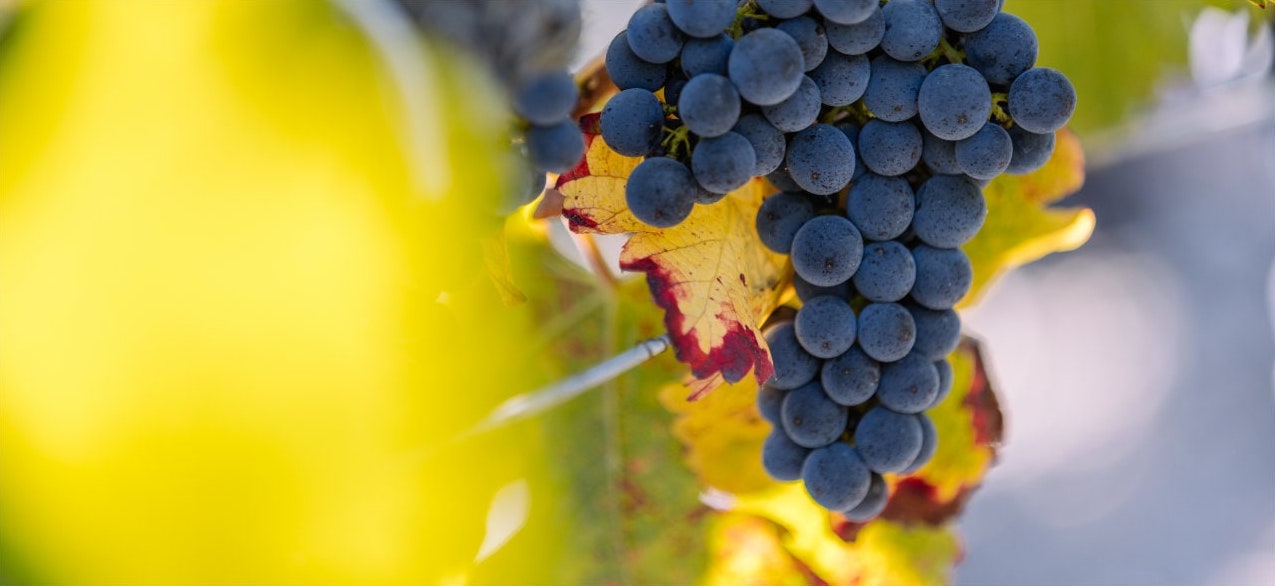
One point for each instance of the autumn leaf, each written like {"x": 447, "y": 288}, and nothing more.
{"x": 1020, "y": 226}
{"x": 722, "y": 434}
{"x": 711, "y": 274}
{"x": 884, "y": 552}
{"x": 745, "y": 550}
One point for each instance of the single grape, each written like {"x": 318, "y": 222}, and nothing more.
{"x": 954, "y": 101}
{"x": 674, "y": 85}
{"x": 937, "y": 332}
{"x": 986, "y": 154}
{"x": 943, "y": 276}
{"x": 857, "y": 38}
{"x": 842, "y": 79}
{"x": 1031, "y": 151}
{"x": 782, "y": 180}
{"x": 929, "y": 444}
{"x": 967, "y": 16}
{"x": 826, "y": 250}
{"x": 825, "y": 326}
{"x": 820, "y": 159}
{"x": 700, "y": 56}
{"x": 632, "y": 121}
{"x": 1002, "y": 50}
{"x": 851, "y": 130}
{"x": 912, "y": 29}
{"x": 893, "y": 88}
{"x": 702, "y": 18}
{"x": 873, "y": 503}
{"x": 886, "y": 331}
{"x": 723, "y": 163}
{"x": 908, "y": 385}
{"x": 810, "y": 418}
{"x": 880, "y": 207}
{"x": 1042, "y": 100}
{"x": 850, "y": 379}
{"x": 845, "y": 11}
{"x": 939, "y": 155}
{"x": 836, "y": 477}
{"x": 810, "y": 37}
{"x": 781, "y": 458}
{"x": 766, "y": 66}
{"x": 709, "y": 105}
{"x": 653, "y": 36}
{"x": 779, "y": 218}
{"x": 526, "y": 190}
{"x": 797, "y": 112}
{"x": 769, "y": 400}
{"x": 768, "y": 143}
{"x": 944, "y": 368}
{"x": 627, "y": 70}
{"x": 785, "y": 8}
{"x": 706, "y": 197}
{"x": 556, "y": 148}
{"x": 660, "y": 192}
{"x": 546, "y": 97}
{"x": 886, "y": 272}
{"x": 806, "y": 291}
{"x": 888, "y": 441}
{"x": 950, "y": 209}
{"x": 890, "y": 148}
{"x": 793, "y": 365}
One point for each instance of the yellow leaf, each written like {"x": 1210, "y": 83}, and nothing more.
{"x": 722, "y": 434}
{"x": 882, "y": 553}
{"x": 746, "y": 550}
{"x": 711, "y": 274}
{"x": 1020, "y": 228}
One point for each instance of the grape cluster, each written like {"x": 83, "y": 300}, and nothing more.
{"x": 527, "y": 46}
{"x": 879, "y": 123}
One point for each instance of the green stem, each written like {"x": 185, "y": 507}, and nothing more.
{"x": 1000, "y": 103}
{"x": 677, "y": 141}
{"x": 947, "y": 50}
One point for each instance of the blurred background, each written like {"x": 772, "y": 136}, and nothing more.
{"x": 222, "y": 295}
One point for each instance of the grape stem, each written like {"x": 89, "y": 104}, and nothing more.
{"x": 677, "y": 140}
{"x": 540, "y": 400}
{"x": 950, "y": 52}
{"x": 999, "y": 102}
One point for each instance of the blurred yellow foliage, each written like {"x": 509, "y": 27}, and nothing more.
{"x": 223, "y": 356}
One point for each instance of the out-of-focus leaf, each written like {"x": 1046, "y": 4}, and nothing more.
{"x": 722, "y": 434}
{"x": 1020, "y": 226}
{"x": 1107, "y": 60}
{"x": 711, "y": 274}
{"x": 629, "y": 511}
{"x": 882, "y": 553}
{"x": 746, "y": 550}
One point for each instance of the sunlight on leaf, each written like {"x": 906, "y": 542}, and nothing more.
{"x": 722, "y": 434}
{"x": 711, "y": 274}
{"x": 882, "y": 553}
{"x": 748, "y": 551}
{"x": 1020, "y": 227}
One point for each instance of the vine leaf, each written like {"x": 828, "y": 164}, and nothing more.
{"x": 722, "y": 435}
{"x": 883, "y": 552}
{"x": 711, "y": 274}
{"x": 1020, "y": 226}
